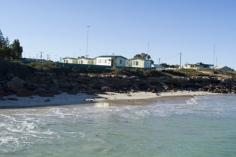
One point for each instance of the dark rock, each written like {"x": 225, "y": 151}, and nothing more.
{"x": 47, "y": 100}
{"x": 43, "y": 92}
{"x": 3, "y": 92}
{"x": 15, "y": 84}
{"x": 105, "y": 88}
{"x": 13, "y": 99}
{"x": 24, "y": 93}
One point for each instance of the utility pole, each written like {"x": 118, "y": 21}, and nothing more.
{"x": 148, "y": 47}
{"x": 48, "y": 57}
{"x": 180, "y": 60}
{"x": 41, "y": 60}
{"x": 214, "y": 55}
{"x": 87, "y": 39}
{"x": 41, "y": 55}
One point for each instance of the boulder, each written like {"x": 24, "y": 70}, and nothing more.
{"x": 15, "y": 84}
{"x": 24, "y": 92}
{"x": 44, "y": 92}
{"x": 105, "y": 88}
{"x": 3, "y": 93}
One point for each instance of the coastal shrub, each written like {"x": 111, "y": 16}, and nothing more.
{"x": 191, "y": 72}
{"x": 44, "y": 65}
{"x": 153, "y": 73}
{"x": 11, "y": 69}
{"x": 128, "y": 71}
{"x": 174, "y": 72}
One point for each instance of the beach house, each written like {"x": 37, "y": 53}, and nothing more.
{"x": 85, "y": 60}
{"x": 116, "y": 61}
{"x": 198, "y": 66}
{"x": 140, "y": 63}
{"x": 70, "y": 60}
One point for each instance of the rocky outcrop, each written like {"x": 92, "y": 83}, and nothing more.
{"x": 15, "y": 84}
{"x": 52, "y": 82}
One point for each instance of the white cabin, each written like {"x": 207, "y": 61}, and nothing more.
{"x": 117, "y": 61}
{"x": 70, "y": 60}
{"x": 83, "y": 60}
{"x": 140, "y": 63}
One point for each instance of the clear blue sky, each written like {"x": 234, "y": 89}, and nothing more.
{"x": 124, "y": 27}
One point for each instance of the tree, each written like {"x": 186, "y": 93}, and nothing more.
{"x": 144, "y": 56}
{"x": 2, "y": 40}
{"x": 10, "y": 51}
{"x": 16, "y": 49}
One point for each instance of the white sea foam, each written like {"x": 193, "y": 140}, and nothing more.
{"x": 18, "y": 131}
{"x": 192, "y": 101}
{"x": 25, "y": 128}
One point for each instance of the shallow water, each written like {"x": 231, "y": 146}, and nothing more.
{"x": 181, "y": 127}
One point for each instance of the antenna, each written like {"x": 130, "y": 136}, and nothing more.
{"x": 87, "y": 39}
{"x": 41, "y": 55}
{"x": 180, "y": 59}
{"x": 148, "y": 47}
{"x": 48, "y": 57}
{"x": 214, "y": 54}
{"x": 216, "y": 61}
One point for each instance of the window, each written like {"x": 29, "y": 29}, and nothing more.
{"x": 120, "y": 61}
{"x": 137, "y": 63}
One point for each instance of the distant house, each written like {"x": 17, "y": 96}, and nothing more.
{"x": 159, "y": 67}
{"x": 140, "y": 63}
{"x": 85, "y": 60}
{"x": 204, "y": 66}
{"x": 190, "y": 66}
{"x": 226, "y": 69}
{"x": 70, "y": 60}
{"x": 198, "y": 66}
{"x": 117, "y": 61}
{"x": 169, "y": 67}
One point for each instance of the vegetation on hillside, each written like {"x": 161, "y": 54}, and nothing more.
{"x": 10, "y": 51}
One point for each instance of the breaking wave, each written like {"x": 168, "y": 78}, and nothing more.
{"x": 20, "y": 129}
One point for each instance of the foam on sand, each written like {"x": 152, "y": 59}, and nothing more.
{"x": 67, "y": 99}
{"x": 148, "y": 95}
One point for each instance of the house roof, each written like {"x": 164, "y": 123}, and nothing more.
{"x": 139, "y": 59}
{"x": 85, "y": 58}
{"x": 202, "y": 64}
{"x": 69, "y": 58}
{"x": 111, "y": 56}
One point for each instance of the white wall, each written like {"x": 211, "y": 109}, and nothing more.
{"x": 70, "y": 61}
{"x": 85, "y": 61}
{"x": 106, "y": 61}
{"x": 137, "y": 63}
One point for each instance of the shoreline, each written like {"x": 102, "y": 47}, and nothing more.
{"x": 112, "y": 96}
{"x": 67, "y": 99}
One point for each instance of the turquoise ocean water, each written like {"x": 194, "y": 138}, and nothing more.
{"x": 179, "y": 127}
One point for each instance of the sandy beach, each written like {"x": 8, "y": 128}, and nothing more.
{"x": 148, "y": 95}
{"x": 67, "y": 99}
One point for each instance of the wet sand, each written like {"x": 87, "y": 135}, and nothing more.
{"x": 81, "y": 98}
